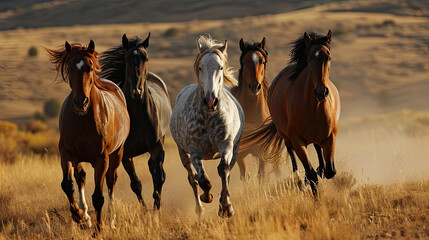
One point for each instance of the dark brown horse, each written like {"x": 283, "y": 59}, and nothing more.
{"x": 149, "y": 108}
{"x": 305, "y": 107}
{"x": 251, "y": 92}
{"x": 94, "y": 125}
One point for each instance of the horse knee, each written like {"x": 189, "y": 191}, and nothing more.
{"x": 67, "y": 186}
{"x": 222, "y": 169}
{"x": 98, "y": 200}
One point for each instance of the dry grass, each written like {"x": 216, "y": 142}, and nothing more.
{"x": 350, "y": 207}
{"x": 36, "y": 209}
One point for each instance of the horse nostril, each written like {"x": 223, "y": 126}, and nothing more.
{"x": 258, "y": 87}
{"x": 326, "y": 91}
{"x": 215, "y": 102}
{"x": 85, "y": 101}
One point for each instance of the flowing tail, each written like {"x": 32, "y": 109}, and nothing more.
{"x": 267, "y": 137}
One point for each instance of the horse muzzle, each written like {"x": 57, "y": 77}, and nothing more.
{"x": 255, "y": 89}
{"x": 211, "y": 102}
{"x": 81, "y": 108}
{"x": 136, "y": 93}
{"x": 321, "y": 93}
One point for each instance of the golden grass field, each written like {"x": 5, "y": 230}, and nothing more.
{"x": 379, "y": 63}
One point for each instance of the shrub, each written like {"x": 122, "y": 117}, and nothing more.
{"x": 51, "y": 108}
{"x": 32, "y": 52}
{"x": 171, "y": 32}
{"x": 35, "y": 126}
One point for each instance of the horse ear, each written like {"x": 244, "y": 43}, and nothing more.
{"x": 68, "y": 47}
{"x": 145, "y": 43}
{"x": 328, "y": 36}
{"x": 263, "y": 43}
{"x": 91, "y": 47}
{"x": 224, "y": 47}
{"x": 199, "y": 46}
{"x": 125, "y": 41}
{"x": 242, "y": 44}
{"x": 307, "y": 38}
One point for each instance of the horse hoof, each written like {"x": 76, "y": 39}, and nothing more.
{"x": 321, "y": 172}
{"x": 330, "y": 174}
{"x": 206, "y": 198}
{"x": 97, "y": 230}
{"x": 226, "y": 211}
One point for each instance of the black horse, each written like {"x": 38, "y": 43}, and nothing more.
{"x": 149, "y": 108}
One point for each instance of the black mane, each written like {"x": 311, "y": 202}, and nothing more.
{"x": 113, "y": 62}
{"x": 299, "y": 52}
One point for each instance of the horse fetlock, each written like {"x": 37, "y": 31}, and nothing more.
{"x": 321, "y": 171}
{"x": 157, "y": 200}
{"x": 205, "y": 184}
{"x": 206, "y": 197}
{"x": 67, "y": 186}
{"x": 226, "y": 211}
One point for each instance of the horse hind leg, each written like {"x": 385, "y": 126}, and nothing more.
{"x": 192, "y": 178}
{"x": 156, "y": 167}
{"x": 321, "y": 169}
{"x": 80, "y": 176}
{"x": 296, "y": 178}
{"x": 136, "y": 184}
{"x": 242, "y": 165}
{"x": 68, "y": 188}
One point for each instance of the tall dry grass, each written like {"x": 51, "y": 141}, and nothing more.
{"x": 33, "y": 206}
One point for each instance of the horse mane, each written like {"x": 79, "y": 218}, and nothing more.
{"x": 255, "y": 47}
{"x": 299, "y": 52}
{"x": 209, "y": 45}
{"x": 59, "y": 58}
{"x": 113, "y": 62}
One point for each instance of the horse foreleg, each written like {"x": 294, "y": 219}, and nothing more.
{"x": 111, "y": 177}
{"x": 67, "y": 186}
{"x": 192, "y": 178}
{"x": 136, "y": 184}
{"x": 328, "y": 152}
{"x": 224, "y": 169}
{"x": 296, "y": 178}
{"x": 203, "y": 179}
{"x": 310, "y": 174}
{"x": 321, "y": 168}
{"x": 100, "y": 168}
{"x": 80, "y": 176}
{"x": 156, "y": 167}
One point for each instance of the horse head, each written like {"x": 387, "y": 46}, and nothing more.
{"x": 319, "y": 63}
{"x": 136, "y": 67}
{"x": 253, "y": 61}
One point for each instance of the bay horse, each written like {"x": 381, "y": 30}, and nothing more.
{"x": 207, "y": 123}
{"x": 251, "y": 93}
{"x": 305, "y": 108}
{"x": 149, "y": 108}
{"x": 93, "y": 124}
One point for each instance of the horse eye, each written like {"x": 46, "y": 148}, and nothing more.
{"x": 221, "y": 68}
{"x": 329, "y": 59}
{"x": 200, "y": 68}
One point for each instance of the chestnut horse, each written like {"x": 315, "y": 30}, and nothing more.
{"x": 251, "y": 92}
{"x": 93, "y": 124}
{"x": 305, "y": 108}
{"x": 149, "y": 108}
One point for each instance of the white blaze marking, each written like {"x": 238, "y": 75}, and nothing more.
{"x": 317, "y": 53}
{"x": 80, "y": 64}
{"x": 255, "y": 58}
{"x": 135, "y": 52}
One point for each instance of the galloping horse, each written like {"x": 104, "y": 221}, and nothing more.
{"x": 94, "y": 125}
{"x": 149, "y": 108}
{"x": 305, "y": 108}
{"x": 208, "y": 121}
{"x": 251, "y": 92}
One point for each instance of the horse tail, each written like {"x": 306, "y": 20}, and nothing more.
{"x": 269, "y": 139}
